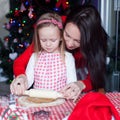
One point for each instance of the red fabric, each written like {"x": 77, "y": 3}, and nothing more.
{"x": 20, "y": 63}
{"x": 94, "y": 106}
{"x": 80, "y": 62}
{"x": 87, "y": 83}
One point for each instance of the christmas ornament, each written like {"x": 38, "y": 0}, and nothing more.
{"x": 30, "y": 14}
{"x": 16, "y": 13}
{"x": 26, "y": 44}
{"x": 22, "y": 8}
{"x": 47, "y": 1}
{"x": 6, "y": 38}
{"x": 62, "y": 3}
{"x": 63, "y": 18}
{"x": 6, "y": 44}
{"x": 27, "y": 3}
{"x": 7, "y": 26}
{"x": 12, "y": 56}
{"x": 57, "y": 9}
{"x": 20, "y": 30}
{"x": 15, "y": 40}
{"x": 14, "y": 22}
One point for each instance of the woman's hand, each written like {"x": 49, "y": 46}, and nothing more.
{"x": 72, "y": 90}
{"x": 19, "y": 85}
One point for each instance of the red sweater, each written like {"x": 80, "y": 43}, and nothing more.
{"x": 20, "y": 64}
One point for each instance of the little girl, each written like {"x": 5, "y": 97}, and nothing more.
{"x": 50, "y": 66}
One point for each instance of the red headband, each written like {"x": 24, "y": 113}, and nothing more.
{"x": 55, "y": 22}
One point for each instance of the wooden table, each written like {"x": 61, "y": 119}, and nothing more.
{"x": 55, "y": 112}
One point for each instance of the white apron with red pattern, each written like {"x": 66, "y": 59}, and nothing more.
{"x": 50, "y": 72}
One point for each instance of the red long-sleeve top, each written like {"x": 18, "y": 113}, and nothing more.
{"x": 20, "y": 64}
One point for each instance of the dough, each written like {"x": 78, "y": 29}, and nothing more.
{"x": 43, "y": 93}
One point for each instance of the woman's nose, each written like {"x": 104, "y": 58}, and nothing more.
{"x": 70, "y": 43}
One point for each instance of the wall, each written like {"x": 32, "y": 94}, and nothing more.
{"x": 4, "y": 9}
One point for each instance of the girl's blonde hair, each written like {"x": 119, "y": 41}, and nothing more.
{"x": 46, "y": 20}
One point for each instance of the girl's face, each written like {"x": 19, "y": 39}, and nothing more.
{"x": 49, "y": 38}
{"x": 72, "y": 36}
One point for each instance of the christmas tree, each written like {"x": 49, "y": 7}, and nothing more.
{"x": 22, "y": 16}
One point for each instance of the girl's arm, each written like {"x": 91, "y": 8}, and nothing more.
{"x": 20, "y": 63}
{"x": 70, "y": 67}
{"x": 30, "y": 70}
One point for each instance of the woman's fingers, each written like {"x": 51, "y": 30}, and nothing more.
{"x": 76, "y": 96}
{"x": 72, "y": 90}
{"x": 69, "y": 91}
{"x": 65, "y": 88}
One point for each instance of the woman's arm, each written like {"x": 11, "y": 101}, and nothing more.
{"x": 20, "y": 63}
{"x": 80, "y": 62}
{"x": 87, "y": 83}
{"x": 73, "y": 89}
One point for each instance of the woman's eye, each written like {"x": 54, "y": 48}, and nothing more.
{"x": 78, "y": 41}
{"x": 67, "y": 35}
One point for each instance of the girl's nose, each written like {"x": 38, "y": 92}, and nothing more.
{"x": 48, "y": 43}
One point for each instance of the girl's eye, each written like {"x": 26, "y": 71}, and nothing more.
{"x": 43, "y": 40}
{"x": 53, "y": 40}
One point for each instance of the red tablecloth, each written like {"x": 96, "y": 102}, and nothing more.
{"x": 55, "y": 112}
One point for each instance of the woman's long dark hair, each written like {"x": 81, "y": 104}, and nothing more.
{"x": 93, "y": 42}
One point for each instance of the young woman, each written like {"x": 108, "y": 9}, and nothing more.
{"x": 84, "y": 35}
{"x": 50, "y": 66}
{"x": 86, "y": 39}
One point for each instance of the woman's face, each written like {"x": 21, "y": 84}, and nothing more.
{"x": 72, "y": 36}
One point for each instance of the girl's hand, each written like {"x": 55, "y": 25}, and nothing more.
{"x": 19, "y": 85}
{"x": 72, "y": 90}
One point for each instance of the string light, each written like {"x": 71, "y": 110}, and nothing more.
{"x": 24, "y": 21}
{"x": 11, "y": 11}
{"x": 20, "y": 45}
{"x": 28, "y": 34}
{"x": 23, "y": 25}
{"x": 67, "y": 3}
{"x": 16, "y": 8}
